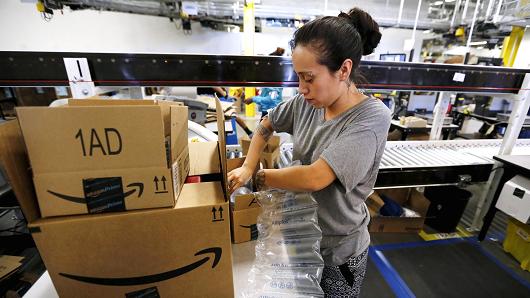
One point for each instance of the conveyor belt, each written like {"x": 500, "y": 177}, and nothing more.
{"x": 421, "y": 163}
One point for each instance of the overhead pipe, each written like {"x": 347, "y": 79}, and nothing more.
{"x": 416, "y": 20}
{"x": 400, "y": 14}
{"x": 489, "y": 10}
{"x": 473, "y": 24}
{"x": 464, "y": 12}
{"x": 497, "y": 12}
{"x": 457, "y": 8}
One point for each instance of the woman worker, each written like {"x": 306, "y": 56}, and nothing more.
{"x": 339, "y": 136}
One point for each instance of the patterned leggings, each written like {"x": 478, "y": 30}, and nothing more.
{"x": 345, "y": 280}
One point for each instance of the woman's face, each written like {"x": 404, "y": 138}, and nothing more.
{"x": 319, "y": 87}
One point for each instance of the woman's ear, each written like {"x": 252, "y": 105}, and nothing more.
{"x": 345, "y": 70}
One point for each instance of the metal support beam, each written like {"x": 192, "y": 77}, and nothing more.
{"x": 400, "y": 13}
{"x": 497, "y": 12}
{"x": 79, "y": 77}
{"x": 464, "y": 12}
{"x": 439, "y": 116}
{"x": 455, "y": 12}
{"x": 116, "y": 70}
{"x": 416, "y": 21}
{"x": 521, "y": 104}
{"x": 477, "y": 5}
{"x": 489, "y": 10}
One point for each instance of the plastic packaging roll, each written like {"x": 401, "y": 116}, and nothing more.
{"x": 288, "y": 261}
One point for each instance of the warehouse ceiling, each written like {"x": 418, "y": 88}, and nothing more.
{"x": 434, "y": 14}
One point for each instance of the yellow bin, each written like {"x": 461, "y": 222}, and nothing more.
{"x": 517, "y": 242}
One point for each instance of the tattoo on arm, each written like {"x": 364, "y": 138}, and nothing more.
{"x": 259, "y": 180}
{"x": 264, "y": 132}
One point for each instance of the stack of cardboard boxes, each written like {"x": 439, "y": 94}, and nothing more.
{"x": 94, "y": 161}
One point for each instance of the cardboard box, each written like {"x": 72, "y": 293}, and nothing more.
{"x": 244, "y": 225}
{"x": 96, "y": 156}
{"x": 270, "y": 154}
{"x": 165, "y": 252}
{"x": 270, "y": 159}
{"x": 406, "y": 197}
{"x": 9, "y": 265}
{"x": 244, "y": 212}
{"x": 374, "y": 202}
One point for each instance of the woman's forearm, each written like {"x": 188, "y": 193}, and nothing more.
{"x": 307, "y": 178}
{"x": 292, "y": 178}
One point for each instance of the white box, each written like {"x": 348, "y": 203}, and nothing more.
{"x": 514, "y": 199}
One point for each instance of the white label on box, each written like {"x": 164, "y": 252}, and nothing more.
{"x": 459, "y": 77}
{"x": 190, "y": 8}
{"x": 176, "y": 177}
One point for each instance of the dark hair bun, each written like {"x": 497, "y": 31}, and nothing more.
{"x": 366, "y": 26}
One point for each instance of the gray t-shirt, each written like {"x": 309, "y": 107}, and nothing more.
{"x": 352, "y": 145}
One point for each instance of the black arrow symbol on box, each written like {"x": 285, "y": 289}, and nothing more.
{"x": 142, "y": 280}
{"x": 164, "y": 181}
{"x": 82, "y": 200}
{"x": 214, "y": 211}
{"x": 221, "y": 212}
{"x": 156, "y": 181}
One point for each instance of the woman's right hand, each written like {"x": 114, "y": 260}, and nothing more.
{"x": 239, "y": 177}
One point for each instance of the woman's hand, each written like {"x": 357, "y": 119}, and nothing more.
{"x": 248, "y": 100}
{"x": 238, "y": 177}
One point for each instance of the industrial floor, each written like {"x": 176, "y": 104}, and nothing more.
{"x": 404, "y": 265}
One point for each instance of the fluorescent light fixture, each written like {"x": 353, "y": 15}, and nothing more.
{"x": 478, "y": 43}
{"x": 440, "y": 2}
{"x": 449, "y": 1}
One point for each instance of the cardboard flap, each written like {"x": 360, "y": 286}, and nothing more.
{"x": 14, "y": 161}
{"x": 165, "y": 108}
{"x": 374, "y": 202}
{"x": 398, "y": 195}
{"x": 222, "y": 144}
{"x": 418, "y": 203}
{"x": 93, "y": 137}
{"x": 273, "y": 144}
{"x": 8, "y": 265}
{"x": 245, "y": 144}
{"x": 110, "y": 102}
{"x": 200, "y": 194}
{"x": 234, "y": 163}
{"x": 204, "y": 158}
{"x": 248, "y": 201}
{"x": 179, "y": 130}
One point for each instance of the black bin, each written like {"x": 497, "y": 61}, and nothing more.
{"x": 447, "y": 206}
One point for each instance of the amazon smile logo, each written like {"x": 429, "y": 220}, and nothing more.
{"x": 148, "y": 279}
{"x": 253, "y": 229}
{"x": 81, "y": 200}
